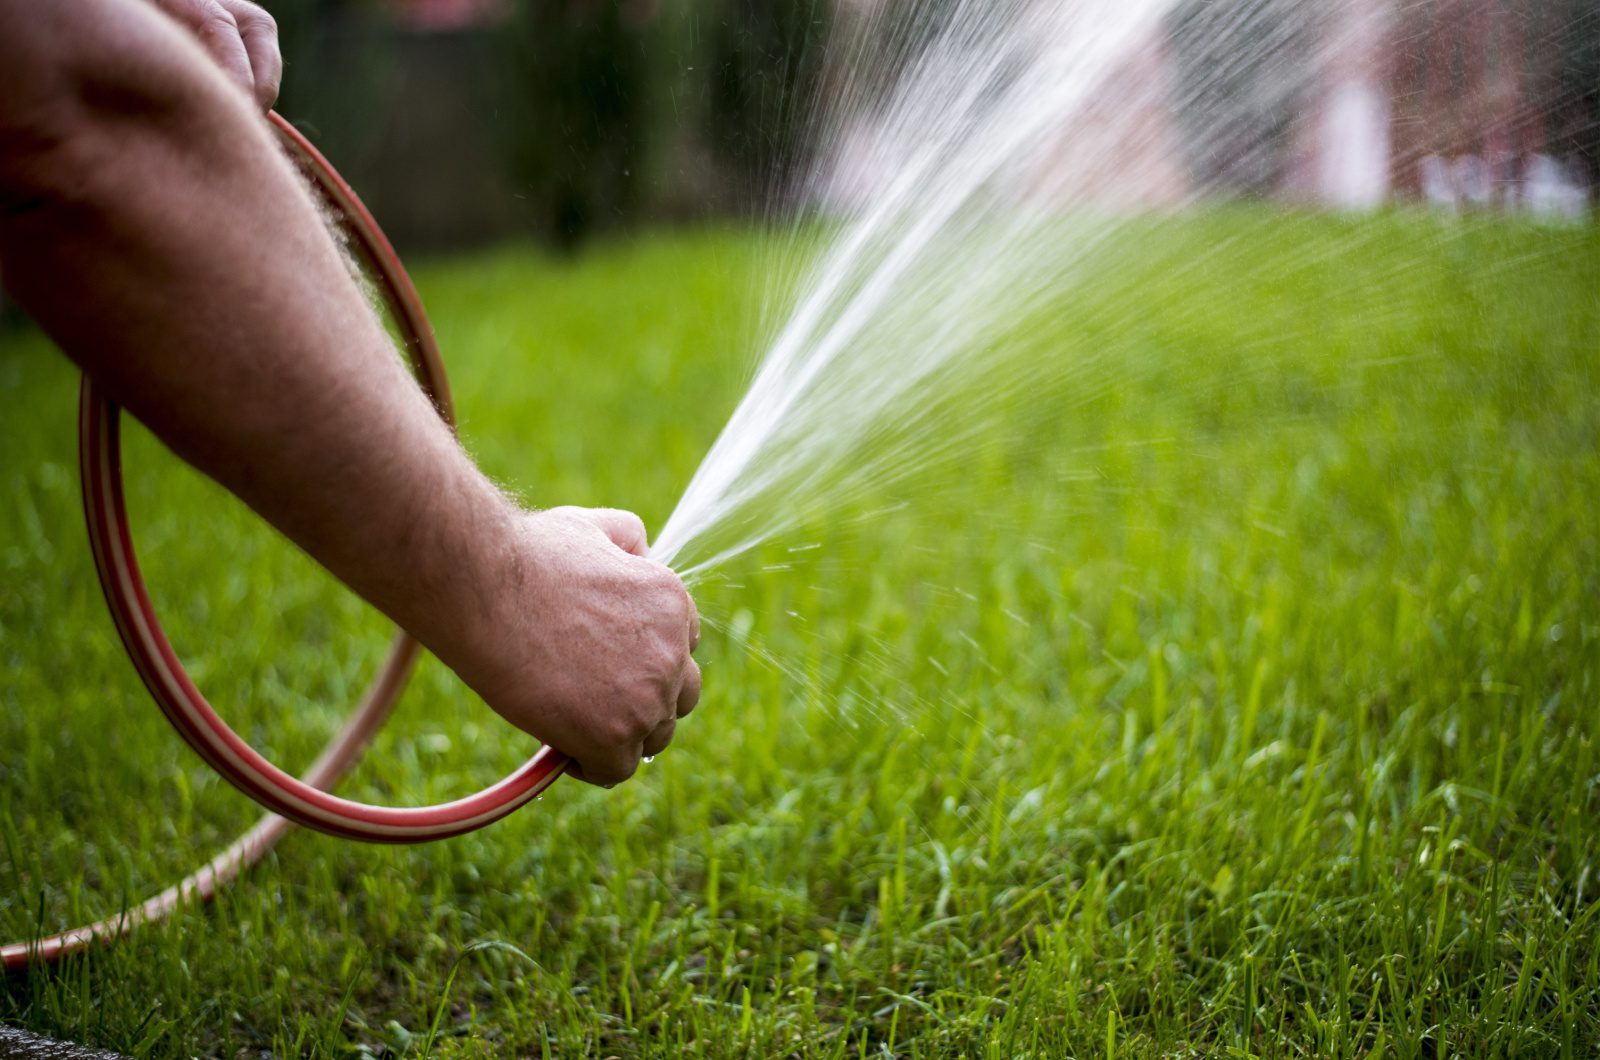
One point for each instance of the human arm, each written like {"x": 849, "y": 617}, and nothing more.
{"x": 151, "y": 226}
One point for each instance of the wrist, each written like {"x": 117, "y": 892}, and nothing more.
{"x": 475, "y": 566}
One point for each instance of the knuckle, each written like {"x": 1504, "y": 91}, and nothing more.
{"x": 618, "y": 731}
{"x": 674, "y": 596}
{"x": 669, "y": 659}
{"x": 630, "y": 726}
{"x": 214, "y": 18}
{"x": 259, "y": 18}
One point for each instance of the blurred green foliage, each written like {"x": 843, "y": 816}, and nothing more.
{"x": 766, "y": 66}
{"x": 610, "y": 109}
{"x": 575, "y": 119}
{"x": 593, "y": 112}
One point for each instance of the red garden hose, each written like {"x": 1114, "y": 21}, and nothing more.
{"x": 304, "y": 801}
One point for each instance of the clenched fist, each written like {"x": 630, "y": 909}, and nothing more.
{"x": 587, "y": 643}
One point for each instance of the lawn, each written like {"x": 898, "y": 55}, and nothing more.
{"x": 1238, "y": 696}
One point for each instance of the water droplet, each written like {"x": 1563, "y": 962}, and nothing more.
{"x": 649, "y": 758}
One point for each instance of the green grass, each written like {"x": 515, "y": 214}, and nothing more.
{"x": 1239, "y": 698}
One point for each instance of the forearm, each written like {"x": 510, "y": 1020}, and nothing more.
{"x": 149, "y": 223}
{"x": 156, "y": 232}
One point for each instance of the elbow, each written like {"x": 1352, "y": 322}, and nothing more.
{"x": 86, "y": 100}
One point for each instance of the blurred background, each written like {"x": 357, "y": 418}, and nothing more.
{"x": 463, "y": 122}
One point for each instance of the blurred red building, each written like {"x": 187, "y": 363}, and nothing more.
{"x": 1438, "y": 101}
{"x": 1345, "y": 103}
{"x": 1469, "y": 121}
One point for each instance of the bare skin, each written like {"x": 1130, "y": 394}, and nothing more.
{"x": 150, "y": 225}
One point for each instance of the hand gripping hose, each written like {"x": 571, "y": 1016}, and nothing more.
{"x": 304, "y": 801}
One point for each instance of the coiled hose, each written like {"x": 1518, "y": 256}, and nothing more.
{"x": 306, "y": 800}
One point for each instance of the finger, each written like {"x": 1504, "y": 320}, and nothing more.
{"x": 689, "y": 694}
{"x": 625, "y": 529}
{"x": 657, "y": 741}
{"x": 607, "y": 772}
{"x": 694, "y": 625}
{"x": 575, "y": 772}
{"x": 214, "y": 26}
{"x": 259, "y": 32}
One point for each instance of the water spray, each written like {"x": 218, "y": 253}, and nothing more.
{"x": 978, "y": 101}
{"x": 1014, "y": 141}
{"x": 305, "y": 800}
